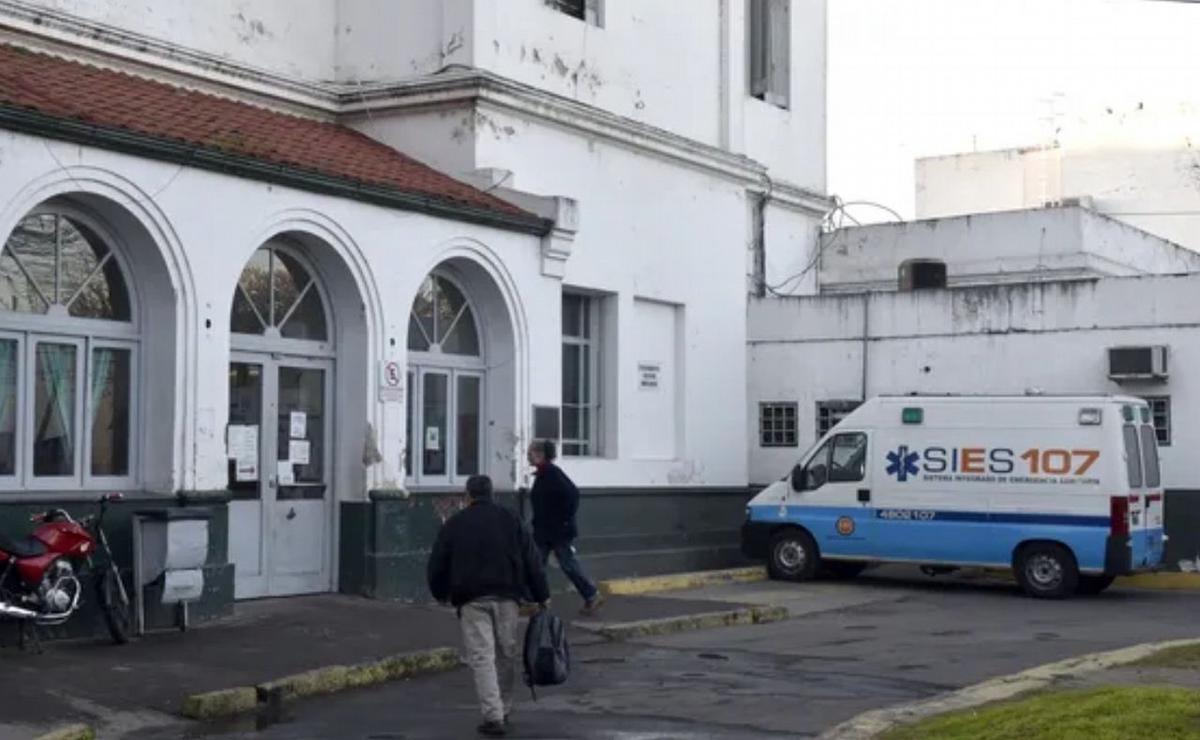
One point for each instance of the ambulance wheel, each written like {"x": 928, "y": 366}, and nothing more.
{"x": 1047, "y": 571}
{"x": 794, "y": 556}
{"x": 842, "y": 570}
{"x": 1092, "y": 585}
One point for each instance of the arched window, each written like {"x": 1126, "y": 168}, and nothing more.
{"x": 445, "y": 386}
{"x": 68, "y": 351}
{"x": 278, "y": 297}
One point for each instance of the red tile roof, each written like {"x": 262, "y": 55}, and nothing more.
{"x": 108, "y": 100}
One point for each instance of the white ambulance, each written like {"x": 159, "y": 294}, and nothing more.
{"x": 1066, "y": 491}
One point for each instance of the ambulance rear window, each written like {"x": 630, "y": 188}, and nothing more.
{"x": 1133, "y": 456}
{"x": 1150, "y": 457}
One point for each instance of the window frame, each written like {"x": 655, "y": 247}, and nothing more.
{"x": 769, "y": 53}
{"x": 271, "y": 340}
{"x": 591, "y": 11}
{"x": 86, "y": 334}
{"x": 454, "y": 366}
{"x": 839, "y": 407}
{"x": 776, "y": 406}
{"x": 1163, "y": 434}
{"x": 594, "y": 443}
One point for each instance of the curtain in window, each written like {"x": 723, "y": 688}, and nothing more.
{"x": 8, "y": 400}
{"x": 56, "y": 405}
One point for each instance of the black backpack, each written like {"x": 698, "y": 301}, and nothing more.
{"x": 547, "y": 654}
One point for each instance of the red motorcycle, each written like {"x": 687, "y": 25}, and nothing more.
{"x": 38, "y": 579}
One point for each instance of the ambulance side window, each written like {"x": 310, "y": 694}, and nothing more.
{"x": 818, "y": 468}
{"x": 848, "y": 461}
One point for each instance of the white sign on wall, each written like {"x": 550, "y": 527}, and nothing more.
{"x": 391, "y": 382}
{"x": 648, "y": 373}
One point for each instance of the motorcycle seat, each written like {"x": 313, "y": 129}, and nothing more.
{"x": 29, "y": 547}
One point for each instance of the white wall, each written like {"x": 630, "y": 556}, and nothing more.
{"x": 288, "y": 37}
{"x": 373, "y": 260}
{"x": 649, "y": 229}
{"x": 1014, "y": 246}
{"x": 1154, "y": 187}
{"x": 396, "y": 39}
{"x": 792, "y": 142}
{"x": 998, "y": 339}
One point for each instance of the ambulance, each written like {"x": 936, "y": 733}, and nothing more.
{"x": 1064, "y": 490}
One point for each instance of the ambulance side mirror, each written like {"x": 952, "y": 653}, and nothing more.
{"x": 799, "y": 478}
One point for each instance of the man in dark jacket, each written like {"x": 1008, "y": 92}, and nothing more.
{"x": 484, "y": 562}
{"x": 555, "y": 501}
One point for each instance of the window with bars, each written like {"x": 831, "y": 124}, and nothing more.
{"x": 777, "y": 424}
{"x": 829, "y": 413}
{"x": 768, "y": 42}
{"x": 585, "y": 10}
{"x": 581, "y": 375}
{"x": 1160, "y": 414}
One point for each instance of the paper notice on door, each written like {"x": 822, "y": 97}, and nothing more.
{"x": 298, "y": 450}
{"x": 241, "y": 445}
{"x": 299, "y": 425}
{"x": 285, "y": 474}
{"x": 241, "y": 442}
{"x": 245, "y": 472}
{"x": 433, "y": 439}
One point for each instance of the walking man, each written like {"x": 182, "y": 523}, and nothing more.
{"x": 484, "y": 562}
{"x": 555, "y": 501}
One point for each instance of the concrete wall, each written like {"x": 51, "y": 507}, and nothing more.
{"x": 1154, "y": 186}
{"x": 625, "y": 532}
{"x": 649, "y": 231}
{"x": 1001, "y": 339}
{"x": 288, "y": 37}
{"x": 681, "y": 72}
{"x": 991, "y": 248}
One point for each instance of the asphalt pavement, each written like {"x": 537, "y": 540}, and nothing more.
{"x": 849, "y": 647}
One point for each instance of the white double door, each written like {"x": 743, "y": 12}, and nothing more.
{"x": 280, "y": 437}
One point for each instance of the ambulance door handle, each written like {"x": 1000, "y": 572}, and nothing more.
{"x": 864, "y": 495}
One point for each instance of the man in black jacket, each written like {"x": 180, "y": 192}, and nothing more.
{"x": 484, "y": 562}
{"x": 555, "y": 501}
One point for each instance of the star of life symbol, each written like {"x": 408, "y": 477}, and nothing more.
{"x": 903, "y": 463}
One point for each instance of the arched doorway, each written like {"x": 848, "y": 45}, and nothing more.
{"x": 462, "y": 380}
{"x": 70, "y": 355}
{"x": 281, "y": 424}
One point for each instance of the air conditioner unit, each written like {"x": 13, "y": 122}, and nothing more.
{"x": 1137, "y": 363}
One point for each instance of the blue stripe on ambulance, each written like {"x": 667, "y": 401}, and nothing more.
{"x": 949, "y": 536}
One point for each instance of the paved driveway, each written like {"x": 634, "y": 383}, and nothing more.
{"x": 850, "y": 647}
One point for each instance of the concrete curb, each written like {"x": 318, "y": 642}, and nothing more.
{"x": 873, "y": 723}
{"x": 1162, "y": 581}
{"x": 680, "y": 581}
{"x": 326, "y": 680}
{"x": 72, "y": 732}
{"x": 686, "y": 623}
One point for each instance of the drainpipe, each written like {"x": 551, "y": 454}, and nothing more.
{"x": 758, "y": 245}
{"x": 866, "y": 340}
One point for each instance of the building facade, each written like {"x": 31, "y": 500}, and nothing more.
{"x": 308, "y": 265}
{"x": 1023, "y": 302}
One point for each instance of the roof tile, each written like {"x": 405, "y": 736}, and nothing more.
{"x": 65, "y": 89}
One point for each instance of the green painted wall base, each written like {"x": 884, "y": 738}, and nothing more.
{"x": 385, "y": 541}
{"x": 217, "y": 599}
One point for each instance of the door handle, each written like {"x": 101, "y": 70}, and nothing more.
{"x": 864, "y": 495}
{"x": 291, "y": 514}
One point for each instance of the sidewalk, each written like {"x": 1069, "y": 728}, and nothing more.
{"x": 121, "y": 688}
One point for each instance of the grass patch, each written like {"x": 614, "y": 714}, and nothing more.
{"x": 1184, "y": 656}
{"x": 1112, "y": 713}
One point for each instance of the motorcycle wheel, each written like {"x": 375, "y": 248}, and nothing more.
{"x": 114, "y": 603}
